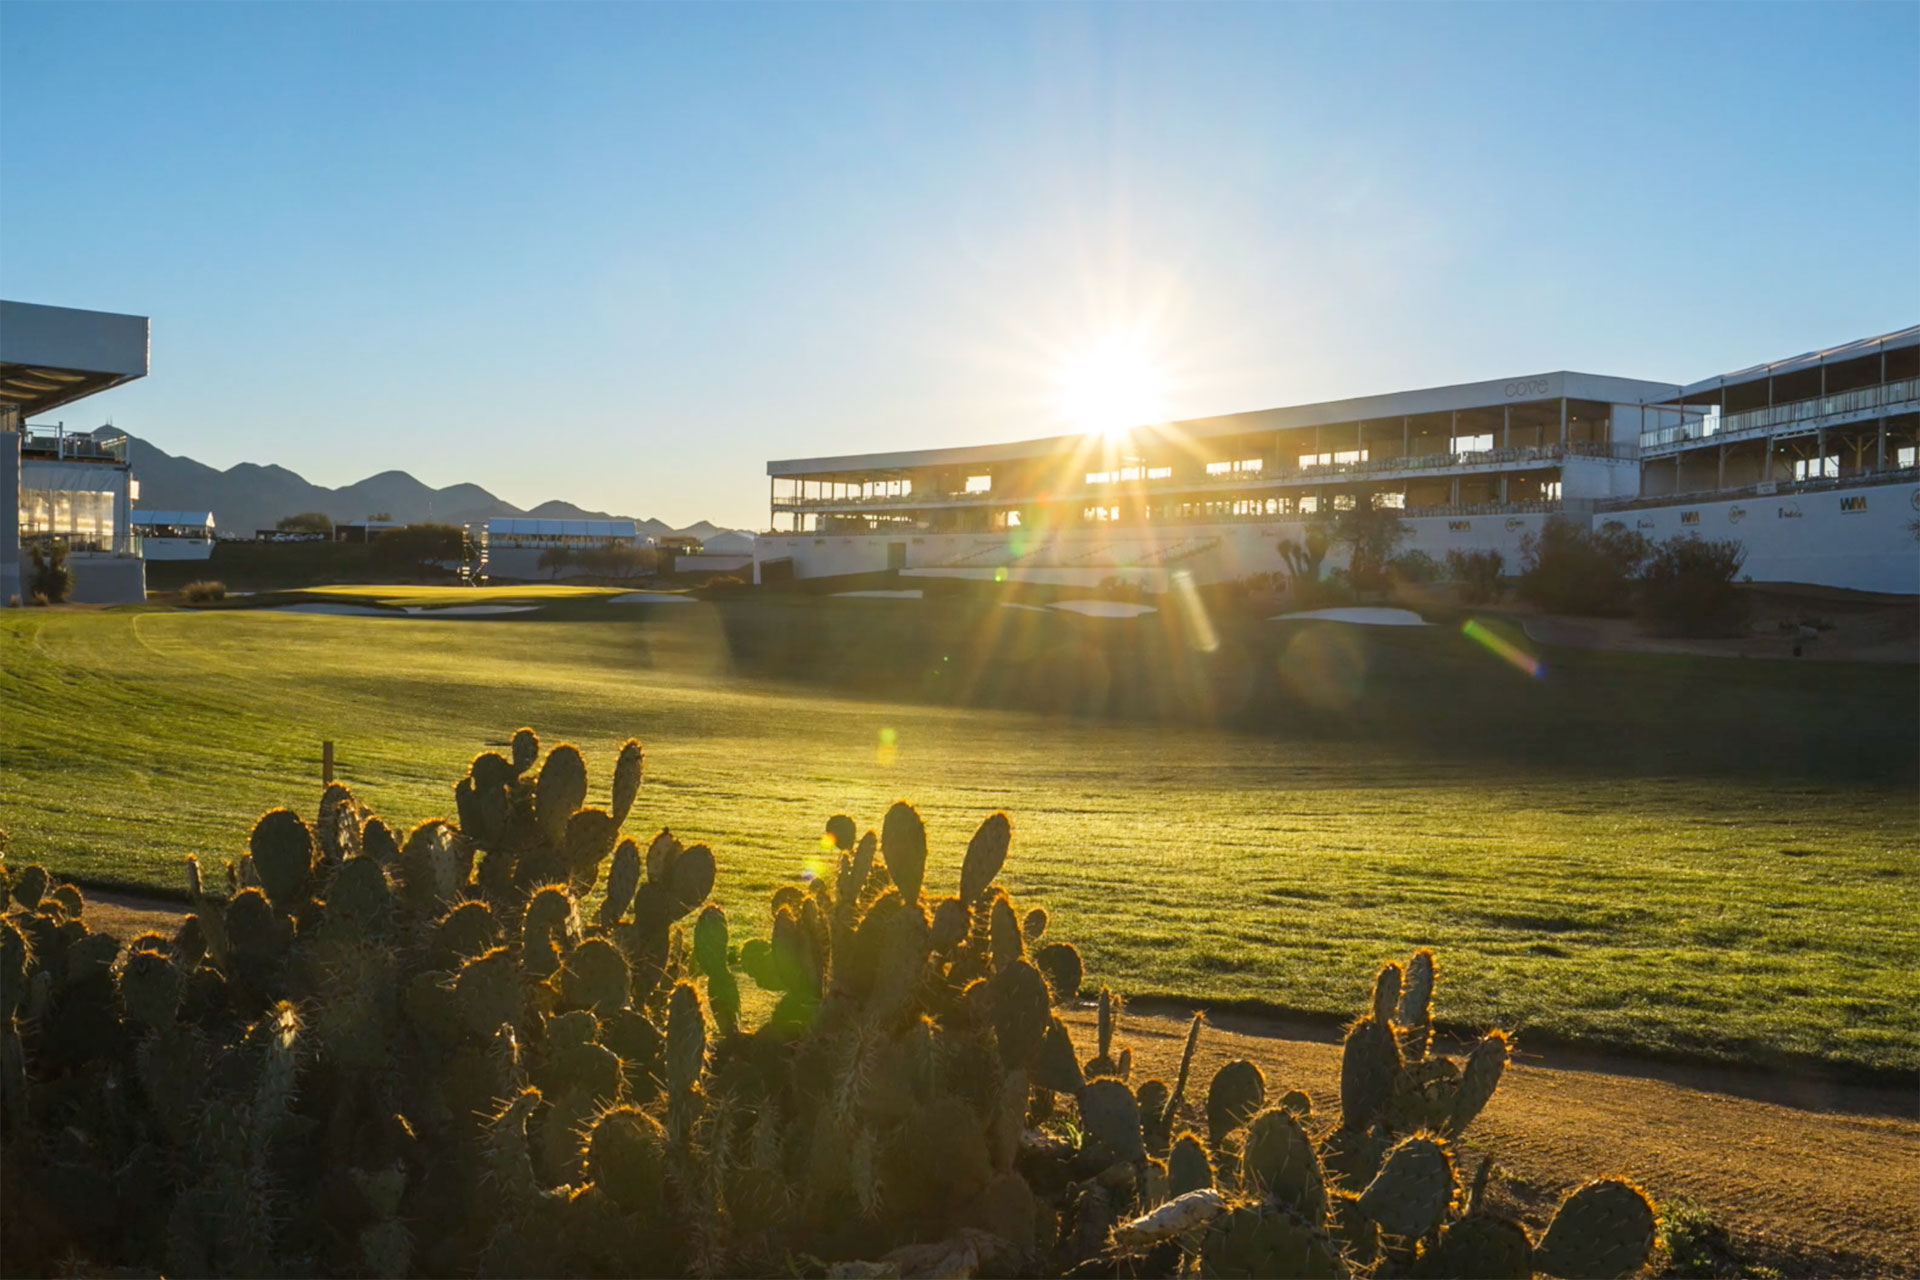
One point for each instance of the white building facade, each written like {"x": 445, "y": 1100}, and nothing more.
{"x": 1473, "y": 467}
{"x": 75, "y": 489}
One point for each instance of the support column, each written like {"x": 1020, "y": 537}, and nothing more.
{"x": 1820, "y": 453}
{"x": 1456, "y": 491}
{"x": 1720, "y": 482}
{"x": 1406, "y": 436}
{"x": 1880, "y": 447}
{"x": 1503, "y": 487}
{"x": 1506, "y": 426}
{"x": 1563, "y": 423}
{"x": 1766, "y": 471}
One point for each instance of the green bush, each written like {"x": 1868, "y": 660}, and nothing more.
{"x": 306, "y": 522}
{"x": 51, "y": 581}
{"x": 517, "y": 1045}
{"x": 1688, "y": 586}
{"x": 205, "y": 591}
{"x": 1415, "y": 566}
{"x": 1478, "y": 573}
{"x": 1566, "y": 568}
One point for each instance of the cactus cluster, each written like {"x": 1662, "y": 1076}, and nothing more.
{"x": 521, "y": 1043}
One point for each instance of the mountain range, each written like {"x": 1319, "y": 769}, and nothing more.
{"x": 248, "y": 496}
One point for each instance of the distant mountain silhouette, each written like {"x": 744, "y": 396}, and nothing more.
{"x": 248, "y": 496}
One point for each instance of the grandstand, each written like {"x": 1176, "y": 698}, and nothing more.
{"x": 174, "y": 535}
{"x": 1478, "y": 466}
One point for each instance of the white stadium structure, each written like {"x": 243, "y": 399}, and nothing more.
{"x": 1808, "y": 462}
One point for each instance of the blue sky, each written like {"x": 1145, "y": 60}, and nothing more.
{"x": 623, "y": 254}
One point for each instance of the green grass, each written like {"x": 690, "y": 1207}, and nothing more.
{"x": 1653, "y": 909}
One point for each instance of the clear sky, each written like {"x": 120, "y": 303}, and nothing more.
{"x": 624, "y": 254}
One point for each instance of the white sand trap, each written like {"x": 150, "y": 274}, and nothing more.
{"x": 1365, "y": 617}
{"x": 1030, "y": 608}
{"x": 879, "y": 595}
{"x": 341, "y": 610}
{"x": 1105, "y": 608}
{"x": 468, "y": 610}
{"x": 650, "y": 597}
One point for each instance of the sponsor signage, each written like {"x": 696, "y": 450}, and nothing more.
{"x": 1459, "y": 526}
{"x": 1689, "y": 517}
{"x": 1736, "y": 514}
{"x": 1857, "y": 502}
{"x": 1520, "y": 387}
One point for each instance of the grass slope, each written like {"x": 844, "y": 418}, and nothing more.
{"x": 1667, "y": 914}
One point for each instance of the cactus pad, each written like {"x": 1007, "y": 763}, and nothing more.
{"x": 1258, "y": 1241}
{"x": 903, "y": 846}
{"x": 986, "y": 854}
{"x": 1602, "y": 1230}
{"x": 1235, "y": 1097}
{"x": 1278, "y": 1159}
{"x": 1414, "y": 1189}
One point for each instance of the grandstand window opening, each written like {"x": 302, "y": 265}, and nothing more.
{"x": 1241, "y": 466}
{"x": 979, "y": 484}
{"x": 1343, "y": 502}
{"x": 82, "y": 516}
{"x": 1827, "y": 468}
{"x": 1309, "y": 505}
{"x": 1341, "y": 458}
{"x": 1482, "y": 443}
{"x": 1905, "y": 456}
{"x": 1386, "y": 501}
{"x": 1550, "y": 490}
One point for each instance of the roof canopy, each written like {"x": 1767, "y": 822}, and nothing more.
{"x": 192, "y": 519}
{"x": 1811, "y": 360}
{"x": 51, "y": 356}
{"x": 526, "y": 527}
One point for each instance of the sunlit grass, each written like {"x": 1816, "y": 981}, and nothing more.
{"x": 402, "y": 597}
{"x": 1701, "y": 916}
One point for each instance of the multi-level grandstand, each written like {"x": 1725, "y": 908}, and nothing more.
{"x": 1801, "y": 459}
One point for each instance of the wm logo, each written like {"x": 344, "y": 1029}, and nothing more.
{"x": 1858, "y": 502}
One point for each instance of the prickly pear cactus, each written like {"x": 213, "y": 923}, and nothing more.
{"x": 1601, "y": 1230}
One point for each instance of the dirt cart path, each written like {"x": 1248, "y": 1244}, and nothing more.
{"x": 1810, "y": 1191}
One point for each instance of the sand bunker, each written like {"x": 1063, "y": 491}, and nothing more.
{"x": 879, "y": 595}
{"x": 468, "y": 610}
{"x": 650, "y": 597}
{"x": 1030, "y": 608}
{"x": 1105, "y": 608}
{"x": 340, "y": 610}
{"x": 1359, "y": 616}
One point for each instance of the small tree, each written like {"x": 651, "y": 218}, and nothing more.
{"x": 1303, "y": 560}
{"x": 1371, "y": 534}
{"x": 52, "y": 580}
{"x": 306, "y": 522}
{"x": 554, "y": 559}
{"x": 1688, "y": 586}
{"x": 1478, "y": 573}
{"x": 1568, "y": 569}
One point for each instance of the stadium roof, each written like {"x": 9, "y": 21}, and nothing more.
{"x": 1908, "y": 337}
{"x": 1467, "y": 395}
{"x": 51, "y": 356}
{"x": 562, "y": 528}
{"x": 196, "y": 519}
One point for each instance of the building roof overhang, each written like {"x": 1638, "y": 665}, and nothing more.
{"x": 52, "y": 356}
{"x": 1908, "y": 337}
{"x": 1397, "y": 404}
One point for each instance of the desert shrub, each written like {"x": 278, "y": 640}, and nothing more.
{"x": 615, "y": 560}
{"x": 1478, "y": 573}
{"x": 554, "y": 560}
{"x": 306, "y": 522}
{"x": 1688, "y": 586}
{"x": 205, "y": 591}
{"x": 515, "y": 1044}
{"x": 727, "y": 582}
{"x": 1414, "y": 566}
{"x": 51, "y": 579}
{"x": 1569, "y": 569}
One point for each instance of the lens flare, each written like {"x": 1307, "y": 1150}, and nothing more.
{"x": 1502, "y": 648}
{"x": 888, "y": 750}
{"x": 1193, "y": 613}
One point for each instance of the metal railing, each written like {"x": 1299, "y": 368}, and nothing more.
{"x": 1763, "y": 489}
{"x": 80, "y": 446}
{"x": 1750, "y": 422}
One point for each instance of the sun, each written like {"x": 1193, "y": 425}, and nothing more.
{"x": 1112, "y": 386}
